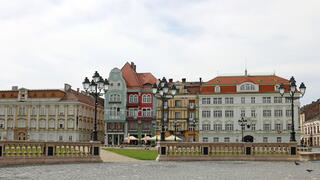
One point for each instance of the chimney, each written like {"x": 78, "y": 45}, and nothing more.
{"x": 133, "y": 66}
{"x": 170, "y": 80}
{"x": 200, "y": 79}
{"x": 67, "y": 87}
{"x": 78, "y": 89}
{"x": 183, "y": 80}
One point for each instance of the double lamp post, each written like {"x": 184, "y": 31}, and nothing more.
{"x": 294, "y": 94}
{"x": 97, "y": 87}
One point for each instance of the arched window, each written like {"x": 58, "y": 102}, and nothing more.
{"x": 146, "y": 98}
{"x": 131, "y": 98}
{"x": 51, "y": 123}
{"x": 247, "y": 87}
{"x": 42, "y": 123}
{"x": 217, "y": 89}
{"x": 70, "y": 124}
{"x": 33, "y": 123}
{"x": 21, "y": 123}
{"x": 61, "y": 123}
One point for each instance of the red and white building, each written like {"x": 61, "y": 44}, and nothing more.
{"x": 225, "y": 99}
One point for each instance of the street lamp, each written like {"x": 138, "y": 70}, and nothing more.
{"x": 292, "y": 91}
{"x": 95, "y": 88}
{"x": 163, "y": 92}
{"x": 243, "y": 123}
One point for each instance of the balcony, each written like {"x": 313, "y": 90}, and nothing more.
{"x": 114, "y": 101}
{"x": 132, "y": 104}
{"x": 142, "y": 118}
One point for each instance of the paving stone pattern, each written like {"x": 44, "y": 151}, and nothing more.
{"x": 164, "y": 170}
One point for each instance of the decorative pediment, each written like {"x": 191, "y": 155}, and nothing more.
{"x": 247, "y": 87}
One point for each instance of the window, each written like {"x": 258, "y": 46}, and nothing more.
{"x": 206, "y": 114}
{"x": 10, "y": 111}
{"x": 217, "y": 89}
{"x": 61, "y": 110}
{"x": 243, "y": 113}
{"x": 217, "y": 100}
{"x": 243, "y": 100}
{"x": 229, "y": 100}
{"x": 52, "y": 110}
{"x": 1, "y": 123}
{"x": 70, "y": 123}
{"x": 117, "y": 98}
{"x": 33, "y": 111}
{"x": 204, "y": 139}
{"x": 177, "y": 115}
{"x": 1, "y": 110}
{"x": 277, "y": 113}
{"x": 51, "y": 123}
{"x": 288, "y": 100}
{"x": 253, "y": 113}
{"x": 277, "y": 99}
{"x": 206, "y": 127}
{"x": 278, "y": 127}
{"x": 33, "y": 123}
{"x": 205, "y": 100}
{"x": 247, "y": 87}
{"x": 133, "y": 112}
{"x": 288, "y": 126}
{"x": 266, "y": 99}
{"x": 70, "y": 110}
{"x": 253, "y": 127}
{"x": 70, "y": 138}
{"x": 21, "y": 123}
{"x": 265, "y": 139}
{"x": 288, "y": 113}
{"x": 217, "y": 113}
{"x": 146, "y": 112}
{"x": 266, "y": 113}
{"x": 60, "y": 124}
{"x": 267, "y": 127}
{"x": 165, "y": 115}
{"x": 191, "y": 115}
{"x": 146, "y": 98}
{"x": 10, "y": 123}
{"x": 217, "y": 127}
{"x": 60, "y": 138}
{"x": 133, "y": 98}
{"x": 229, "y": 127}
{"x": 253, "y": 100}
{"x": 177, "y": 103}
{"x": 215, "y": 139}
{"x": 226, "y": 139}
{"x": 229, "y": 113}
{"x": 42, "y": 123}
{"x": 279, "y": 139}
{"x": 22, "y": 111}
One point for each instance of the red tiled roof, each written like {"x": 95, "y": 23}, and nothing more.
{"x": 136, "y": 80}
{"x": 259, "y": 79}
{"x": 84, "y": 98}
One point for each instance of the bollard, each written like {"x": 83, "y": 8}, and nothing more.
{"x": 0, "y": 151}
{"x": 96, "y": 151}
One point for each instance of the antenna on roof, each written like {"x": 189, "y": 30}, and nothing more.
{"x": 274, "y": 72}
{"x": 245, "y": 67}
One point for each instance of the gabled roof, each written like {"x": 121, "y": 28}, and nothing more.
{"x": 257, "y": 79}
{"x": 136, "y": 80}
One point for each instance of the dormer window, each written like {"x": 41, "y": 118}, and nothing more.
{"x": 217, "y": 89}
{"x": 247, "y": 87}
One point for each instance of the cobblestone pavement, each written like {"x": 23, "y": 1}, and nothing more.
{"x": 108, "y": 156}
{"x": 165, "y": 170}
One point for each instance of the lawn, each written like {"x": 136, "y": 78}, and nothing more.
{"x": 140, "y": 154}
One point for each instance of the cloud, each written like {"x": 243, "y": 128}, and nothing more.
{"x": 44, "y": 43}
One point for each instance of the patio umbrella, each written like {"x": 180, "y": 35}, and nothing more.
{"x": 154, "y": 138}
{"x": 171, "y": 138}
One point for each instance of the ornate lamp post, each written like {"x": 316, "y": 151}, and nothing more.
{"x": 163, "y": 92}
{"x": 293, "y": 95}
{"x": 95, "y": 88}
{"x": 243, "y": 123}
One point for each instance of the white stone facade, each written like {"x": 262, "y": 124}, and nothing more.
{"x": 267, "y": 113}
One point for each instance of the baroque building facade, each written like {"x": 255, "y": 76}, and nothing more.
{"x": 310, "y": 124}
{"x": 48, "y": 115}
{"x": 226, "y": 99}
{"x": 181, "y": 111}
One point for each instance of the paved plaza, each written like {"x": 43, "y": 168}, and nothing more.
{"x": 165, "y": 170}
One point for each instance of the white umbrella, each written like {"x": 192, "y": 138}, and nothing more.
{"x": 171, "y": 138}
{"x": 132, "y": 138}
{"x": 154, "y": 138}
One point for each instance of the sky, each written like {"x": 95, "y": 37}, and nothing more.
{"x": 46, "y": 43}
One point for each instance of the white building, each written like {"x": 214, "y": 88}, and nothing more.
{"x": 48, "y": 115}
{"x": 225, "y": 99}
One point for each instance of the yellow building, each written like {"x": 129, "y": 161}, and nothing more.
{"x": 181, "y": 112}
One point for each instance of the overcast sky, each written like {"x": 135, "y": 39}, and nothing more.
{"x": 46, "y": 43}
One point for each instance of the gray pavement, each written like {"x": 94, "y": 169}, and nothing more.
{"x": 165, "y": 170}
